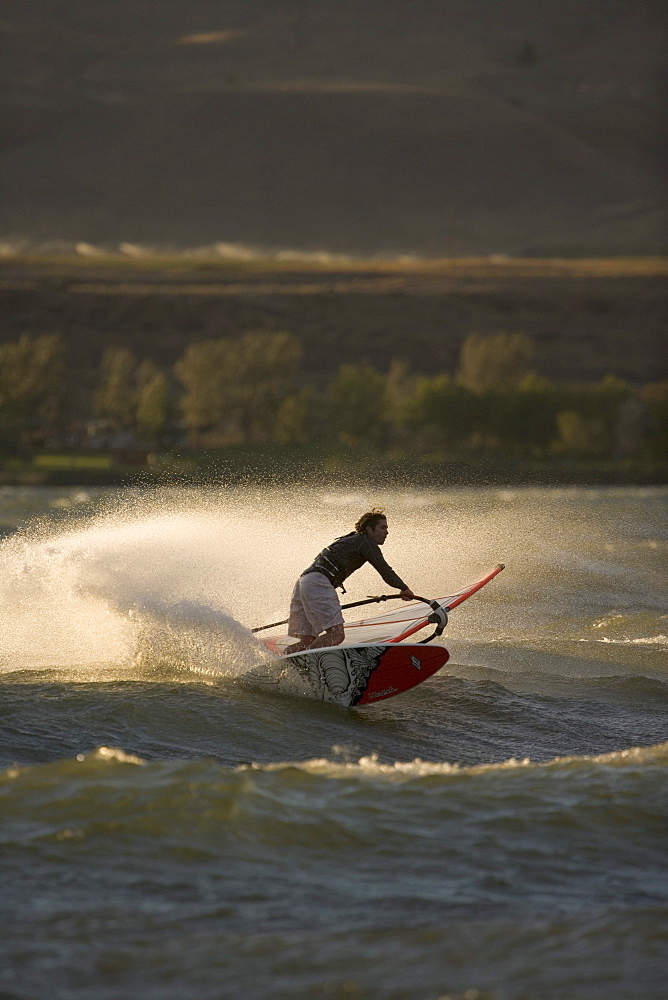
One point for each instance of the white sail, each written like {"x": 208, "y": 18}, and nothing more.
{"x": 396, "y": 625}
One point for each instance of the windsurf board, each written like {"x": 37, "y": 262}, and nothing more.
{"x": 358, "y": 675}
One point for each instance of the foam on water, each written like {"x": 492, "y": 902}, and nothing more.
{"x": 370, "y": 767}
{"x": 403, "y": 771}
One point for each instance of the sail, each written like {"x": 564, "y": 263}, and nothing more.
{"x": 398, "y": 624}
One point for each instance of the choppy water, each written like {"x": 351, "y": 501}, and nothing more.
{"x": 170, "y": 830}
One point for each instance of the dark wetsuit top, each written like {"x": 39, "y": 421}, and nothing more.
{"x": 348, "y": 553}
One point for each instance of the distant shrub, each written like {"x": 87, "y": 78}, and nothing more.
{"x": 153, "y": 408}
{"x": 357, "y": 405}
{"x": 30, "y": 388}
{"x": 500, "y": 361}
{"x": 298, "y": 418}
{"x": 654, "y": 396}
{"x": 235, "y": 387}
{"x": 116, "y": 398}
{"x": 443, "y": 411}
{"x": 576, "y": 436}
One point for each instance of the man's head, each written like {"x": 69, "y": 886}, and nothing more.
{"x": 373, "y": 525}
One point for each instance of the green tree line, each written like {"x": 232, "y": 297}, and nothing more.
{"x": 251, "y": 389}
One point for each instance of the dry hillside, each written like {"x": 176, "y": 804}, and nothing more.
{"x": 471, "y": 126}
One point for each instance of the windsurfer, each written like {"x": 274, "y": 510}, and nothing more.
{"x": 315, "y": 608}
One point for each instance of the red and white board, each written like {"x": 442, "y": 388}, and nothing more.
{"x": 359, "y": 675}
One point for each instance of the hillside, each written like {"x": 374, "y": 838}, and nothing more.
{"x": 471, "y": 127}
{"x": 587, "y": 319}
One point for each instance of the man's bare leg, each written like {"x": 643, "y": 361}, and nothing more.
{"x": 333, "y": 636}
{"x": 305, "y": 642}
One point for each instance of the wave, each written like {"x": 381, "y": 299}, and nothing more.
{"x": 329, "y": 865}
{"x": 104, "y": 759}
{"x": 370, "y": 766}
{"x": 549, "y": 817}
{"x": 653, "y": 640}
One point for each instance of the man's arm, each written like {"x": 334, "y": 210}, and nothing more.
{"x": 375, "y": 557}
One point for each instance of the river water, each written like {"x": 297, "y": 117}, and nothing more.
{"x": 170, "y": 830}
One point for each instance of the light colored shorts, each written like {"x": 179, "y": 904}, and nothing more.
{"x": 314, "y": 606}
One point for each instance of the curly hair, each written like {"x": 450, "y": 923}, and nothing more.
{"x": 369, "y": 520}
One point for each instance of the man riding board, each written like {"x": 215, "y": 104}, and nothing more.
{"x": 314, "y": 607}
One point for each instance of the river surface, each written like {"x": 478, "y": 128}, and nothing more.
{"x": 170, "y": 830}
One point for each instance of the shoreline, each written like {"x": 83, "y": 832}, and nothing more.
{"x": 275, "y": 465}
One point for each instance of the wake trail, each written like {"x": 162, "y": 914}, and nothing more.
{"x": 141, "y": 593}
{"x": 193, "y": 637}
